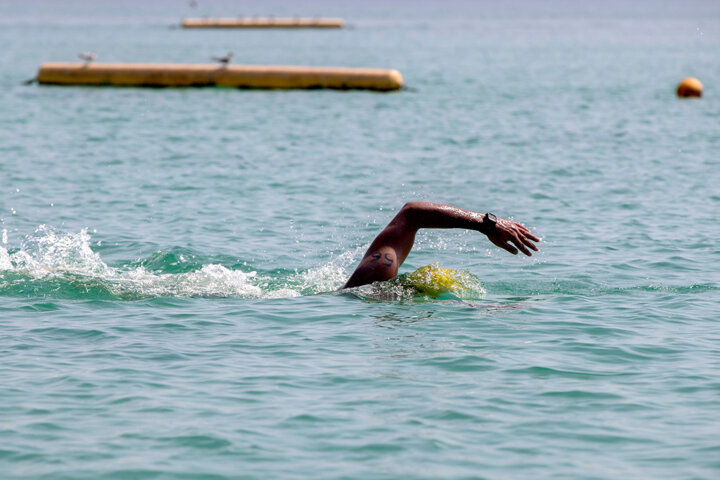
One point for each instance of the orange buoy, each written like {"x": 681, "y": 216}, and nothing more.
{"x": 690, "y": 87}
{"x": 238, "y": 76}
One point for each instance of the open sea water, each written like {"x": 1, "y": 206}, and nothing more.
{"x": 168, "y": 257}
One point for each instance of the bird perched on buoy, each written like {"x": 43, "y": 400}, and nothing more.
{"x": 223, "y": 60}
{"x": 87, "y": 57}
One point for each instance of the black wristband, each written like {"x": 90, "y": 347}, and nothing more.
{"x": 489, "y": 223}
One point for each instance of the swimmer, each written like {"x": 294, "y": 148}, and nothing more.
{"x": 390, "y": 248}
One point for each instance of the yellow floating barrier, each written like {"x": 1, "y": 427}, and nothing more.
{"x": 260, "y": 22}
{"x": 202, "y": 75}
{"x": 690, "y": 87}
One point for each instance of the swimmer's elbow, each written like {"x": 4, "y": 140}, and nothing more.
{"x": 411, "y": 211}
{"x": 412, "y": 206}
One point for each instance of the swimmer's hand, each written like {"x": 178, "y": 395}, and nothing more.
{"x": 507, "y": 232}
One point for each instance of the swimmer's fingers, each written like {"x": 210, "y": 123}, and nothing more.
{"x": 521, "y": 236}
{"x": 526, "y": 240}
{"x": 504, "y": 245}
{"x": 529, "y": 235}
{"x": 519, "y": 243}
{"x": 526, "y": 232}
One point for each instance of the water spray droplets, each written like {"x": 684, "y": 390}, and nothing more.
{"x": 50, "y": 260}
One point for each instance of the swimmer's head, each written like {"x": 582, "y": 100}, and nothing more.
{"x": 433, "y": 281}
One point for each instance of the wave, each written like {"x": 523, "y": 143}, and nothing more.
{"x": 63, "y": 265}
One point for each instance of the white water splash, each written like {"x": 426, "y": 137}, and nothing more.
{"x": 210, "y": 281}
{"x": 52, "y": 255}
{"x": 332, "y": 275}
{"x": 5, "y": 263}
{"x": 48, "y": 250}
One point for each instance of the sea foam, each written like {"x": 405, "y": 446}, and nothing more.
{"x": 51, "y": 262}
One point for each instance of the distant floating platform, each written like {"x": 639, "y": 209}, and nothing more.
{"x": 202, "y": 75}
{"x": 259, "y": 22}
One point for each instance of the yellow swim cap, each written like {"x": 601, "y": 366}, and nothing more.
{"x": 433, "y": 281}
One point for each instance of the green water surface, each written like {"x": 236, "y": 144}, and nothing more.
{"x": 169, "y": 257}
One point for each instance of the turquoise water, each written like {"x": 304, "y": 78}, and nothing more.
{"x": 168, "y": 258}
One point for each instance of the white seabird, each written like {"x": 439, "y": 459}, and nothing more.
{"x": 87, "y": 57}
{"x": 223, "y": 60}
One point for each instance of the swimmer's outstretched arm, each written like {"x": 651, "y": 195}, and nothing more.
{"x": 391, "y": 247}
